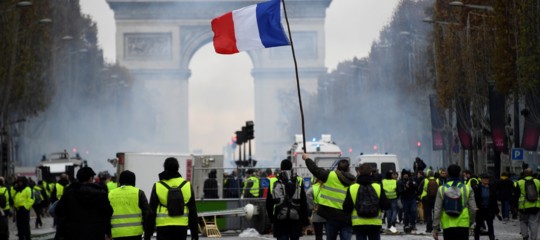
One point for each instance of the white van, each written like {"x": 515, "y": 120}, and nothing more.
{"x": 382, "y": 162}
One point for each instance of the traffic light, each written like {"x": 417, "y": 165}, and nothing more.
{"x": 252, "y": 162}
{"x": 250, "y": 132}
{"x": 239, "y": 138}
{"x": 244, "y": 135}
{"x": 418, "y": 144}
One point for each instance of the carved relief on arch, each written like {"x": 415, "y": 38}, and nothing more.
{"x": 148, "y": 46}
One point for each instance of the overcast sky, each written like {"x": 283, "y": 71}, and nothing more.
{"x": 351, "y": 27}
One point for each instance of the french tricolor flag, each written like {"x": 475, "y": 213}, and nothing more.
{"x": 252, "y": 27}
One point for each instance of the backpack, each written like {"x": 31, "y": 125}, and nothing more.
{"x": 37, "y": 196}
{"x": 3, "y": 199}
{"x": 432, "y": 188}
{"x": 175, "y": 199}
{"x": 367, "y": 202}
{"x": 531, "y": 193}
{"x": 452, "y": 199}
{"x": 287, "y": 203}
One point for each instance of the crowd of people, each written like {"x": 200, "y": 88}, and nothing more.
{"x": 101, "y": 208}
{"x": 454, "y": 202}
{"x": 337, "y": 202}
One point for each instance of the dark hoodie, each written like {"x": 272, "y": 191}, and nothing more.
{"x": 154, "y": 203}
{"x": 346, "y": 178}
{"x": 210, "y": 187}
{"x": 86, "y": 211}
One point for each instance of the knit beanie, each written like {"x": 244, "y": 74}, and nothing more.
{"x": 127, "y": 178}
{"x": 286, "y": 165}
{"x": 171, "y": 164}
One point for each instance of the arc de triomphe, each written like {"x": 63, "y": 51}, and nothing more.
{"x": 156, "y": 40}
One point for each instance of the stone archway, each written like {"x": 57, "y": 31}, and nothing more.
{"x": 157, "y": 39}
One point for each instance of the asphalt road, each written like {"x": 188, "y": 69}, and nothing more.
{"x": 503, "y": 231}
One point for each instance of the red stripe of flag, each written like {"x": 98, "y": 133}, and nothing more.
{"x": 224, "y": 37}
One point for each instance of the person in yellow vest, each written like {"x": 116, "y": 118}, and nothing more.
{"x": 454, "y": 221}
{"x": 45, "y": 185}
{"x": 5, "y": 210}
{"x": 389, "y": 184}
{"x": 46, "y": 194}
{"x": 85, "y": 209}
{"x": 365, "y": 201}
{"x": 111, "y": 184}
{"x": 430, "y": 186}
{"x": 130, "y": 209}
{"x": 527, "y": 190}
{"x": 22, "y": 201}
{"x": 170, "y": 220}
{"x": 332, "y": 195}
{"x": 470, "y": 179}
{"x": 250, "y": 187}
{"x": 312, "y": 196}
{"x": 59, "y": 188}
{"x": 38, "y": 201}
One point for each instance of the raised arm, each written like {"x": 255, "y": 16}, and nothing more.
{"x": 319, "y": 173}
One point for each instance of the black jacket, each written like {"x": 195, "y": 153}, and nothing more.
{"x": 407, "y": 189}
{"x": 290, "y": 227}
{"x": 154, "y": 203}
{"x": 348, "y": 205}
{"x": 493, "y": 207}
{"x": 210, "y": 188}
{"x": 345, "y": 178}
{"x": 505, "y": 190}
{"x": 86, "y": 211}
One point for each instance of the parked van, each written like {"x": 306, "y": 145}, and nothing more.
{"x": 381, "y": 162}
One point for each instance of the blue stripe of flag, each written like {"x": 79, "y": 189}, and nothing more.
{"x": 269, "y": 22}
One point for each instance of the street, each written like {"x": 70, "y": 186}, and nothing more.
{"x": 508, "y": 231}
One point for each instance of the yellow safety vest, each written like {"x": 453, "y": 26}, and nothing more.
{"x": 24, "y": 199}
{"x": 4, "y": 191}
{"x": 316, "y": 191}
{"x": 357, "y": 220}
{"x": 59, "y": 190}
{"x": 127, "y": 218}
{"x": 390, "y": 188}
{"x": 272, "y": 181}
{"x": 332, "y": 192}
{"x": 45, "y": 186}
{"x": 38, "y": 189}
{"x": 111, "y": 185}
{"x": 162, "y": 215}
{"x": 472, "y": 180}
{"x": 523, "y": 203}
{"x": 463, "y": 220}
{"x": 426, "y": 182}
{"x": 254, "y": 188}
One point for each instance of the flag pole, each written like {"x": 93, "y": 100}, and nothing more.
{"x": 297, "y": 78}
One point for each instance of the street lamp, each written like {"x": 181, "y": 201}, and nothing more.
{"x": 431, "y": 20}
{"x": 480, "y": 7}
{"x": 45, "y": 20}
{"x": 485, "y": 8}
{"x": 24, "y": 4}
{"x": 472, "y": 6}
